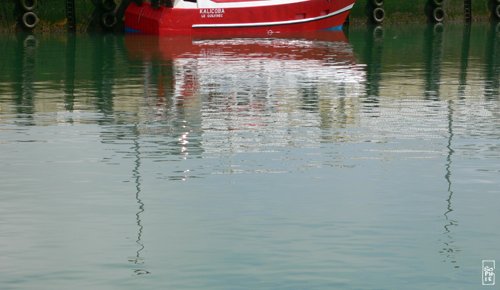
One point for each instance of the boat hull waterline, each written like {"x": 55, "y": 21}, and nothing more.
{"x": 237, "y": 17}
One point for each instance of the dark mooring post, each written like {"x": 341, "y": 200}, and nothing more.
{"x": 434, "y": 10}
{"x": 24, "y": 11}
{"x": 468, "y": 10}
{"x": 71, "y": 15}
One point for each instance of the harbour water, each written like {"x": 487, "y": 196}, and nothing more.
{"x": 365, "y": 160}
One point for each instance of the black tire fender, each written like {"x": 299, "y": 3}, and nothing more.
{"x": 28, "y": 5}
{"x": 29, "y": 20}
{"x": 108, "y": 5}
{"x": 438, "y": 15}
{"x": 378, "y": 15}
{"x": 109, "y": 19}
{"x": 437, "y": 2}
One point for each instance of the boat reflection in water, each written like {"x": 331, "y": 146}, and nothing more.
{"x": 219, "y": 86}
{"x": 217, "y": 97}
{"x": 325, "y": 56}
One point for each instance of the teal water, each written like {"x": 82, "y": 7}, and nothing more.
{"x": 369, "y": 160}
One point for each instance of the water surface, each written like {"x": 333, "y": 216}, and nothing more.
{"x": 369, "y": 160}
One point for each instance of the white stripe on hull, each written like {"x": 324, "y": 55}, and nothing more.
{"x": 262, "y": 3}
{"x": 274, "y": 23}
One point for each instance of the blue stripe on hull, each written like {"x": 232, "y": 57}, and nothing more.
{"x": 335, "y": 28}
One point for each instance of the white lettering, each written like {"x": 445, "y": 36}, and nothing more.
{"x": 212, "y": 13}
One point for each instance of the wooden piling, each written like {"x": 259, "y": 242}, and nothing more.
{"x": 71, "y": 15}
{"x": 468, "y": 11}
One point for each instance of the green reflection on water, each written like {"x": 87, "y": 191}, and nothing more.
{"x": 95, "y": 63}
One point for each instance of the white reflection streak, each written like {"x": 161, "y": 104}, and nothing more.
{"x": 227, "y": 77}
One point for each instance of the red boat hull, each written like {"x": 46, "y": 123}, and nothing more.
{"x": 230, "y": 19}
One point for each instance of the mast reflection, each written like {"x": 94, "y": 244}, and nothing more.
{"x": 450, "y": 249}
{"x": 138, "y": 260}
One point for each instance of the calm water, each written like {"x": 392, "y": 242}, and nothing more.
{"x": 362, "y": 161}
